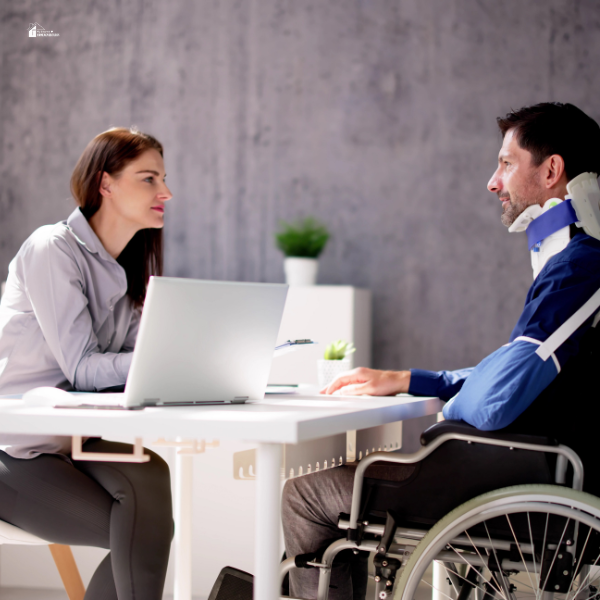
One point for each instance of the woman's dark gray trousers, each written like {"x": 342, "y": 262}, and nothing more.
{"x": 124, "y": 507}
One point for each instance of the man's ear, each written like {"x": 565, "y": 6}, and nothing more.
{"x": 105, "y": 185}
{"x": 553, "y": 171}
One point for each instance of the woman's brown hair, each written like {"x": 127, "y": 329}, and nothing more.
{"x": 110, "y": 152}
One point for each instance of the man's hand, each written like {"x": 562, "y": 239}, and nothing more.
{"x": 370, "y": 382}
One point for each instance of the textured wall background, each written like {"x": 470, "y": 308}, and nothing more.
{"x": 378, "y": 117}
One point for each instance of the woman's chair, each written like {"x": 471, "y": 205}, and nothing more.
{"x": 62, "y": 555}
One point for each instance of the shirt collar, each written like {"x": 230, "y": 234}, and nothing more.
{"x": 86, "y": 236}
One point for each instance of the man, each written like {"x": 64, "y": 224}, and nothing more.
{"x": 544, "y": 147}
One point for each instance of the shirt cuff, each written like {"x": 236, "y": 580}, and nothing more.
{"x": 424, "y": 383}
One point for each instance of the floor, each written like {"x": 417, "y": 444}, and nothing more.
{"x": 424, "y": 593}
{"x": 23, "y": 594}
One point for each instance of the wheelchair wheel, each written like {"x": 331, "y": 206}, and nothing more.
{"x": 518, "y": 543}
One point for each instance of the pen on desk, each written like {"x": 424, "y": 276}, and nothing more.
{"x": 302, "y": 342}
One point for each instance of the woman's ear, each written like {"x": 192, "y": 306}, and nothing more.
{"x": 105, "y": 185}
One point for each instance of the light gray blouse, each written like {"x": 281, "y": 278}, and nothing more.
{"x": 65, "y": 321}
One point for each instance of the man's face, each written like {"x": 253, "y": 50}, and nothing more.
{"x": 516, "y": 181}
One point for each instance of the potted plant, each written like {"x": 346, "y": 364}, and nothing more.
{"x": 301, "y": 242}
{"x": 335, "y": 361}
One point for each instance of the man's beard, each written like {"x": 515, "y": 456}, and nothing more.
{"x": 517, "y": 203}
{"x": 516, "y": 206}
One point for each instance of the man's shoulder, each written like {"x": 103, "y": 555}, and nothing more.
{"x": 582, "y": 253}
{"x": 584, "y": 244}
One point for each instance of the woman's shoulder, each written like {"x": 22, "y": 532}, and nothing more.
{"x": 55, "y": 238}
{"x": 50, "y": 248}
{"x": 52, "y": 232}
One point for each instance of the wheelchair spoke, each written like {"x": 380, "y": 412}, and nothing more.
{"x": 501, "y": 582}
{"x": 585, "y": 581}
{"x": 520, "y": 553}
{"x": 545, "y": 534}
{"x": 562, "y": 537}
{"x": 437, "y": 590}
{"x": 483, "y": 561}
{"x": 450, "y": 569}
{"x": 582, "y": 584}
{"x": 476, "y": 586}
{"x": 542, "y": 555}
{"x": 459, "y": 576}
{"x": 523, "y": 584}
{"x": 464, "y": 559}
{"x": 537, "y": 591}
{"x": 586, "y": 578}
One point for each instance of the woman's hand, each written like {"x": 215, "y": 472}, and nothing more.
{"x": 370, "y": 382}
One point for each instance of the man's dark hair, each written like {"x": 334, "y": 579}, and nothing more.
{"x": 555, "y": 128}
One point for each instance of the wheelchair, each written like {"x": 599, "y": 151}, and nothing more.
{"x": 538, "y": 541}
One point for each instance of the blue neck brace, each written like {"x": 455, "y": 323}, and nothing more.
{"x": 559, "y": 216}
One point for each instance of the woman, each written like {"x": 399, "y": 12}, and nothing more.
{"x": 69, "y": 318}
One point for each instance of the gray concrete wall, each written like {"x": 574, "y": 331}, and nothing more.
{"x": 377, "y": 117}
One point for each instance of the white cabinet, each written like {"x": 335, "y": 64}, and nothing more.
{"x": 323, "y": 313}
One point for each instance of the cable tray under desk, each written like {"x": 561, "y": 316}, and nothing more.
{"x": 324, "y": 453}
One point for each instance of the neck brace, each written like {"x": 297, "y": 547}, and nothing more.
{"x": 547, "y": 226}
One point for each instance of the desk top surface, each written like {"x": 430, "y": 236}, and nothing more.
{"x": 285, "y": 419}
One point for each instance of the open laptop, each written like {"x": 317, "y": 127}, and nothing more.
{"x": 201, "y": 342}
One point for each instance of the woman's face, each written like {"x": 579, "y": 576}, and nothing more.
{"x": 138, "y": 194}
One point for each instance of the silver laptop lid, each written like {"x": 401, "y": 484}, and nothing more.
{"x": 204, "y": 341}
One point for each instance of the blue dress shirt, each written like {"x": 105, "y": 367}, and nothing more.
{"x": 494, "y": 393}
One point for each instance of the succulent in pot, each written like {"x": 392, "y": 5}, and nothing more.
{"x": 336, "y": 361}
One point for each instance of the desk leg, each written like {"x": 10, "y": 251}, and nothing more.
{"x": 183, "y": 526}
{"x": 268, "y": 519}
{"x": 441, "y": 588}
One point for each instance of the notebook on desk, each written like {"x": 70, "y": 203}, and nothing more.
{"x": 200, "y": 342}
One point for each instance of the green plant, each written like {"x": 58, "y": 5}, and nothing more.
{"x": 304, "y": 238}
{"x": 339, "y": 350}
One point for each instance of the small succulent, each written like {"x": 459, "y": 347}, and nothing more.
{"x": 304, "y": 238}
{"x": 339, "y": 350}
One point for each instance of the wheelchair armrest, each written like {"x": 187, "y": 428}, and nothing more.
{"x": 431, "y": 433}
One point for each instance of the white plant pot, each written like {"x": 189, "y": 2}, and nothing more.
{"x": 300, "y": 271}
{"x": 328, "y": 370}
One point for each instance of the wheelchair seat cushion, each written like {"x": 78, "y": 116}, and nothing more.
{"x": 444, "y": 427}
{"x": 451, "y": 475}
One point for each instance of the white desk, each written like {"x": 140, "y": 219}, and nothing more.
{"x": 275, "y": 421}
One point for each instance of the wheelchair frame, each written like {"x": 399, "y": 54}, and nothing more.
{"x": 399, "y": 541}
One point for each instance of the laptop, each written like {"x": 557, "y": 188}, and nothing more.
{"x": 200, "y": 342}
